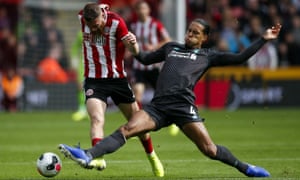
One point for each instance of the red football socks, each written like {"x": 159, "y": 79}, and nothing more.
{"x": 95, "y": 140}
{"x": 147, "y": 145}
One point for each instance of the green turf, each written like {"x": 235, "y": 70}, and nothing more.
{"x": 269, "y": 138}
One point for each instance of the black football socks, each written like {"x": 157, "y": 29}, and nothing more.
{"x": 107, "y": 145}
{"x": 225, "y": 156}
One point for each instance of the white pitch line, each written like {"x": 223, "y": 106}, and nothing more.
{"x": 67, "y": 161}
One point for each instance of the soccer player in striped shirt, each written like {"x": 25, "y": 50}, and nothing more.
{"x": 150, "y": 34}
{"x": 104, "y": 41}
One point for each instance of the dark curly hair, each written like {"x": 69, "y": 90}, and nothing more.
{"x": 206, "y": 26}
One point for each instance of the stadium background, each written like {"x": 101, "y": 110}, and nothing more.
{"x": 265, "y": 136}
{"x": 39, "y": 25}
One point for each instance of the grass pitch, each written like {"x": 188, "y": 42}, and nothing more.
{"x": 268, "y": 138}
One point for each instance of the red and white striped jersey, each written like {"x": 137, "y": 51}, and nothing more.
{"x": 103, "y": 54}
{"x": 149, "y": 32}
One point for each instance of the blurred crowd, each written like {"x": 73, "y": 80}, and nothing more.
{"x": 11, "y": 84}
{"x": 41, "y": 47}
{"x": 34, "y": 48}
{"x": 236, "y": 23}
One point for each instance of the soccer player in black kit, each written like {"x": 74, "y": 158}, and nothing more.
{"x": 173, "y": 101}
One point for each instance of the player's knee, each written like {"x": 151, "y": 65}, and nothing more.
{"x": 209, "y": 151}
{"x": 96, "y": 119}
{"x": 124, "y": 130}
{"x": 127, "y": 131}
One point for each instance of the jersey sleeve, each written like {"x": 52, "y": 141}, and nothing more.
{"x": 122, "y": 29}
{"x": 225, "y": 59}
{"x": 162, "y": 31}
{"x": 157, "y": 56}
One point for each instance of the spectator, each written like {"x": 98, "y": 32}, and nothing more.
{"x": 291, "y": 44}
{"x": 1, "y": 94}
{"x": 49, "y": 35}
{"x": 7, "y": 42}
{"x": 12, "y": 85}
{"x": 267, "y": 56}
{"x": 8, "y": 49}
{"x": 4, "y": 20}
{"x": 49, "y": 69}
{"x": 195, "y": 8}
{"x": 36, "y": 42}
{"x": 296, "y": 28}
{"x": 28, "y": 56}
{"x": 231, "y": 35}
{"x": 28, "y": 45}
{"x": 290, "y": 49}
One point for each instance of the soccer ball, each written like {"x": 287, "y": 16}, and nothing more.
{"x": 48, "y": 164}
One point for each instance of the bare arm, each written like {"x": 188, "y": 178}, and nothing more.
{"x": 131, "y": 44}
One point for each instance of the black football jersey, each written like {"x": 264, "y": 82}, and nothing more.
{"x": 184, "y": 66}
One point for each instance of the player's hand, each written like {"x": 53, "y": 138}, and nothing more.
{"x": 273, "y": 32}
{"x": 131, "y": 43}
{"x": 130, "y": 38}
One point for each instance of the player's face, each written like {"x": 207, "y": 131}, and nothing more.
{"x": 194, "y": 36}
{"x": 97, "y": 25}
{"x": 143, "y": 11}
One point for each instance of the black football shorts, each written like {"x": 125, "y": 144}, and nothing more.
{"x": 117, "y": 88}
{"x": 146, "y": 76}
{"x": 168, "y": 110}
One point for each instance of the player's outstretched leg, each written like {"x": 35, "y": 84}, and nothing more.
{"x": 82, "y": 158}
{"x": 225, "y": 156}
